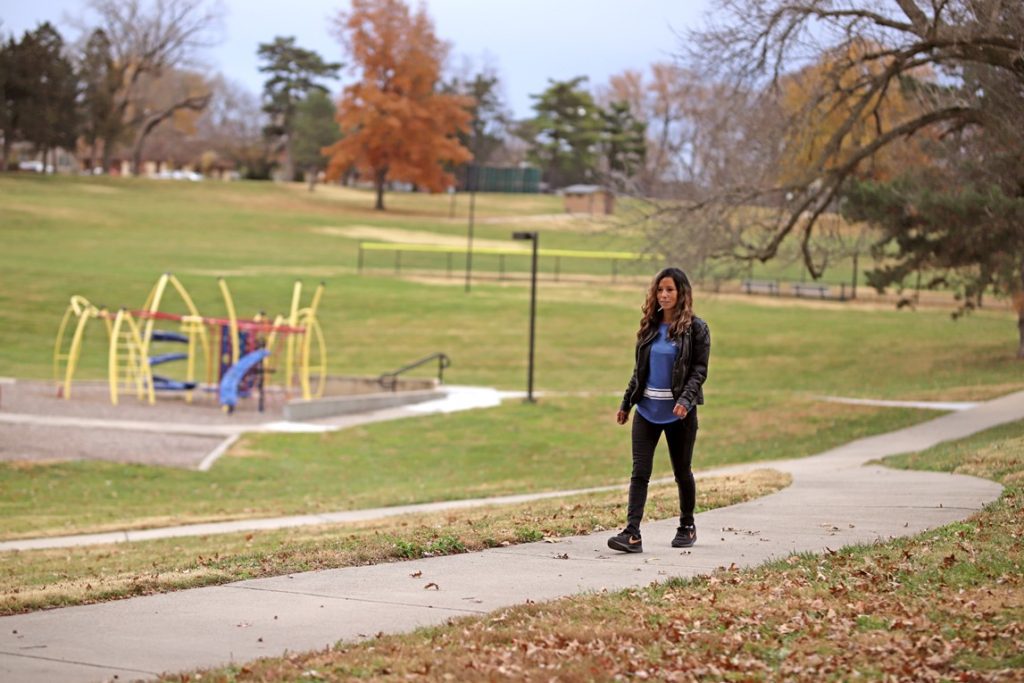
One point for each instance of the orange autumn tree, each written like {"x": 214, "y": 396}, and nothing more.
{"x": 841, "y": 113}
{"x": 395, "y": 122}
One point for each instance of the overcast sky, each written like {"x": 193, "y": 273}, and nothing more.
{"x": 527, "y": 41}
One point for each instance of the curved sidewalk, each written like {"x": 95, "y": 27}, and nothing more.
{"x": 835, "y": 500}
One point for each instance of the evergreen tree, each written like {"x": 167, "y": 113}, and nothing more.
{"x": 314, "y": 129}
{"x": 101, "y": 121}
{"x": 295, "y": 73}
{"x": 959, "y": 222}
{"x": 488, "y": 113}
{"x": 40, "y": 88}
{"x": 12, "y": 94}
{"x": 565, "y": 133}
{"x": 623, "y": 140}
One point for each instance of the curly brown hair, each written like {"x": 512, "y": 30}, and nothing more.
{"x": 684, "y": 305}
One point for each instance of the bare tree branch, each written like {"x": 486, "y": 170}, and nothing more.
{"x": 870, "y": 50}
{"x": 918, "y": 19}
{"x": 154, "y": 119}
{"x": 147, "y": 38}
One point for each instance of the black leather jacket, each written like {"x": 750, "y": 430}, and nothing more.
{"x": 688, "y": 373}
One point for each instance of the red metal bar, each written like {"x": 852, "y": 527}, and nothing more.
{"x": 248, "y": 325}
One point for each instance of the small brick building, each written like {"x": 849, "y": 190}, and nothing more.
{"x": 592, "y": 199}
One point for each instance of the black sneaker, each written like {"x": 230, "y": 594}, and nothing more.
{"x": 627, "y": 541}
{"x": 686, "y": 536}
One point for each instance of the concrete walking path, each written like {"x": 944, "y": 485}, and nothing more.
{"x": 835, "y": 500}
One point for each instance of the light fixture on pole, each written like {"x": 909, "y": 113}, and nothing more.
{"x": 535, "y": 238}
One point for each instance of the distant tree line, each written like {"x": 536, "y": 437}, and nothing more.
{"x": 126, "y": 76}
{"x": 128, "y": 87}
{"x": 39, "y": 92}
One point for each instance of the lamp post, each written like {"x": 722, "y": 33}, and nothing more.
{"x": 534, "y": 237}
{"x": 471, "y": 182}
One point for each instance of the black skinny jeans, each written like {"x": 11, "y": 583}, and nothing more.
{"x": 680, "y": 435}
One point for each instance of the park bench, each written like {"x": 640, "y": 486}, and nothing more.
{"x": 760, "y": 287}
{"x": 801, "y": 289}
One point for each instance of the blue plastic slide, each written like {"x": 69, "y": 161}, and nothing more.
{"x": 233, "y": 377}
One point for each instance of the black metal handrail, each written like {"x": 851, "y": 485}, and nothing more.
{"x": 389, "y": 380}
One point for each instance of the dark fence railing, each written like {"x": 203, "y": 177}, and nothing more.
{"x": 389, "y": 380}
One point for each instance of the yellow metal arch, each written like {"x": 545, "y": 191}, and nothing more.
{"x": 313, "y": 368}
{"x": 229, "y": 303}
{"x": 191, "y": 325}
{"x": 308, "y": 318}
{"x": 128, "y": 359}
{"x": 152, "y": 305}
{"x": 82, "y": 311}
{"x": 272, "y": 337}
{"x": 293, "y": 321}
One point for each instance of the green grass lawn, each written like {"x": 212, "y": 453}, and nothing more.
{"x": 558, "y": 444}
{"x": 109, "y": 240}
{"x": 945, "y": 605}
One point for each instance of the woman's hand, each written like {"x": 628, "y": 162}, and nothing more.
{"x": 679, "y": 411}
{"x": 622, "y": 417}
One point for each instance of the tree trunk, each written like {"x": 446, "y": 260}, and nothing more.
{"x": 382, "y": 175}
{"x": 6, "y": 153}
{"x": 853, "y": 294}
{"x": 193, "y": 102}
{"x": 105, "y": 161}
{"x": 1020, "y": 333}
{"x": 311, "y": 174}
{"x": 1020, "y": 313}
{"x": 288, "y": 168}
{"x": 137, "y": 151}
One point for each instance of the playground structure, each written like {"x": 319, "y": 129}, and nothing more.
{"x": 239, "y": 358}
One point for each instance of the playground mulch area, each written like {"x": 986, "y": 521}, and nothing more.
{"x": 39, "y": 444}
{"x": 36, "y": 425}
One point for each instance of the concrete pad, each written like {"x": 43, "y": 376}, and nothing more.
{"x": 346, "y": 405}
{"x": 204, "y": 627}
{"x": 15, "y": 666}
{"x": 479, "y": 582}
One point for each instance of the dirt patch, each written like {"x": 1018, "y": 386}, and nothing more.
{"x": 403, "y": 236}
{"x": 99, "y": 189}
{"x": 243, "y": 449}
{"x": 565, "y": 222}
{"x": 32, "y": 464}
{"x": 49, "y": 211}
{"x": 867, "y": 299}
{"x": 263, "y": 271}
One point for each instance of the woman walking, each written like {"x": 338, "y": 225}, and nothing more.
{"x": 672, "y": 350}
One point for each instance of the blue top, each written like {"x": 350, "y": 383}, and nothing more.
{"x": 657, "y": 403}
